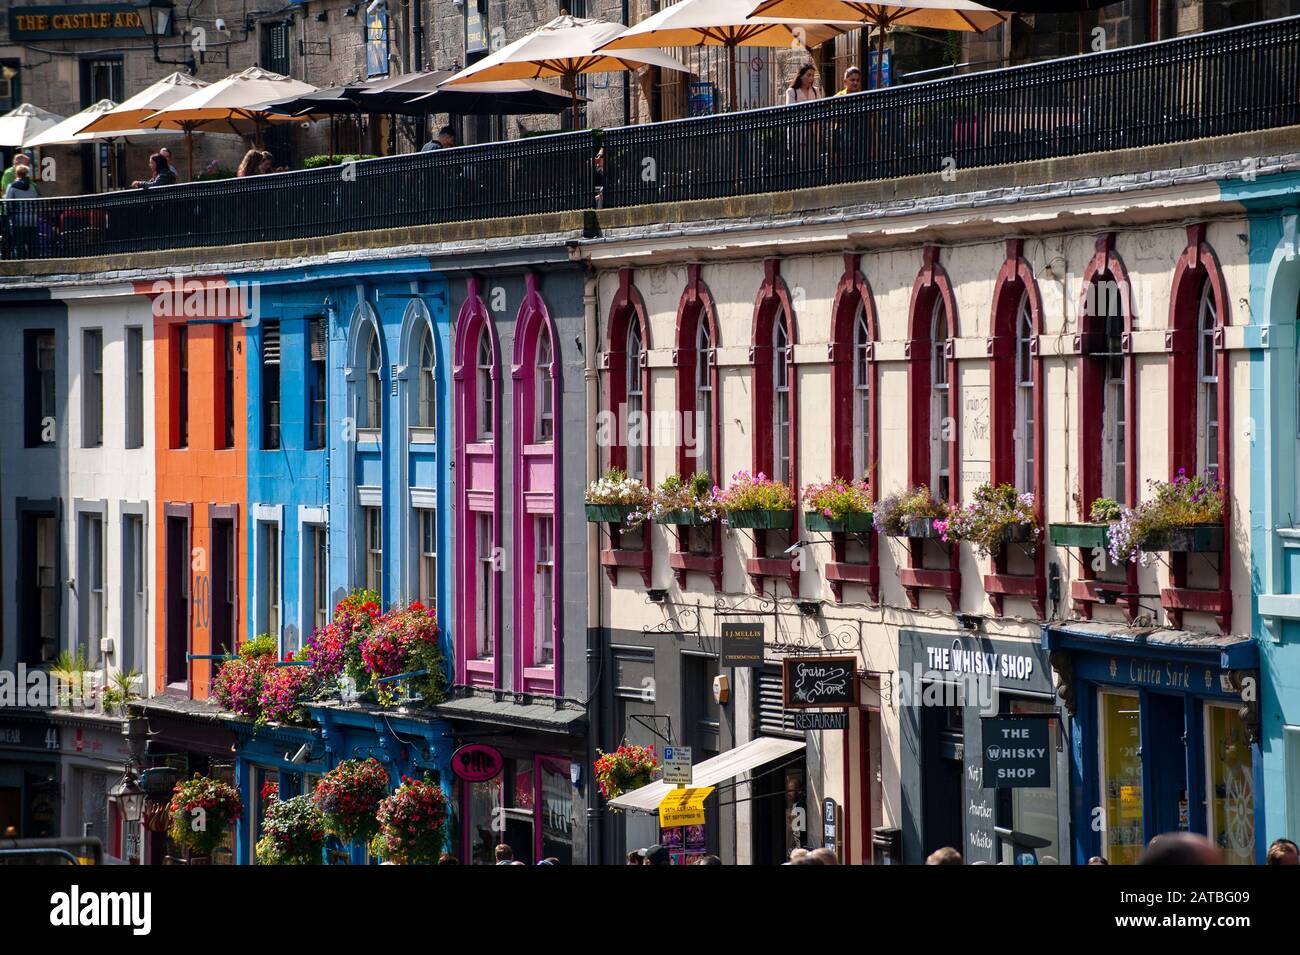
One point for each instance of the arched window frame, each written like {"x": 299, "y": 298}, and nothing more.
{"x": 940, "y": 483}
{"x": 374, "y": 391}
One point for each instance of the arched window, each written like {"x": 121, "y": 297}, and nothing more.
{"x": 483, "y": 385}
{"x": 781, "y": 400}
{"x": 1207, "y": 397}
{"x": 374, "y": 383}
{"x": 1024, "y": 440}
{"x": 544, "y": 427}
{"x": 704, "y": 399}
{"x": 861, "y": 394}
{"x": 1114, "y": 451}
{"x": 635, "y": 404}
{"x": 941, "y": 480}
{"x": 427, "y": 411}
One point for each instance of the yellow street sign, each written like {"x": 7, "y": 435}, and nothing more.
{"x": 683, "y": 807}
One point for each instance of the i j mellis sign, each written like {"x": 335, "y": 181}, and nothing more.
{"x": 820, "y": 681}
{"x": 477, "y": 762}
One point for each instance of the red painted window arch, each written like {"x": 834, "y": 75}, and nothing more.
{"x": 627, "y": 315}
{"x": 1198, "y": 314}
{"x": 699, "y": 408}
{"x": 535, "y": 373}
{"x": 1016, "y": 408}
{"x": 931, "y": 290}
{"x": 478, "y": 503}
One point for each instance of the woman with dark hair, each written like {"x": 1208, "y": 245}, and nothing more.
{"x": 804, "y": 85}
{"x": 267, "y": 163}
{"x": 248, "y": 166}
{"x": 162, "y": 173}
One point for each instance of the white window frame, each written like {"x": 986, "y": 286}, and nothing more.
{"x": 426, "y": 524}
{"x": 372, "y": 517}
{"x": 134, "y": 381}
{"x": 1025, "y": 406}
{"x": 272, "y": 607}
{"x": 427, "y": 408}
{"x": 320, "y": 563}
{"x": 781, "y": 383}
{"x": 93, "y": 587}
{"x": 374, "y": 391}
{"x": 484, "y": 386}
{"x": 1207, "y": 386}
{"x": 544, "y": 411}
{"x": 92, "y": 380}
{"x": 861, "y": 394}
{"x": 941, "y": 447}
{"x": 1115, "y": 424}
{"x": 484, "y": 644}
{"x": 635, "y": 425}
{"x": 704, "y": 398}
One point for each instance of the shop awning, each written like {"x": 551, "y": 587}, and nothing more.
{"x": 1225, "y": 650}
{"x": 717, "y": 769}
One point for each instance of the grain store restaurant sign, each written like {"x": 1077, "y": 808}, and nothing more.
{"x": 959, "y": 694}
{"x": 79, "y": 21}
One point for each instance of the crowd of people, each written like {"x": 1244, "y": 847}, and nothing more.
{"x": 1170, "y": 848}
{"x": 804, "y": 85}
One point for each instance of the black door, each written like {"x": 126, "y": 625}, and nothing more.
{"x": 222, "y": 597}
{"x": 941, "y": 777}
{"x": 178, "y": 599}
{"x": 1164, "y": 743}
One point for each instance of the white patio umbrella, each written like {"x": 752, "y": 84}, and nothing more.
{"x": 230, "y": 105}
{"x": 72, "y": 131}
{"x": 565, "y": 47}
{"x": 27, "y": 121}
{"x": 726, "y": 23}
{"x": 884, "y": 15}
{"x": 130, "y": 113}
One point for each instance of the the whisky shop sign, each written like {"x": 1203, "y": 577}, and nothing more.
{"x": 75, "y": 21}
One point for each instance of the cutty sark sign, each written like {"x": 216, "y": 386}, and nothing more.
{"x": 821, "y": 681}
{"x": 74, "y": 21}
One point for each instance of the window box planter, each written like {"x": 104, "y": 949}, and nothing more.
{"x": 859, "y": 523}
{"x": 1193, "y": 538}
{"x": 685, "y": 518}
{"x": 1079, "y": 535}
{"x": 762, "y": 520}
{"x": 919, "y": 528}
{"x": 1018, "y": 534}
{"x": 608, "y": 513}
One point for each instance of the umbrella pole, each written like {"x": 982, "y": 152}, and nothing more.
{"x": 189, "y": 151}
{"x": 731, "y": 77}
{"x": 573, "y": 91}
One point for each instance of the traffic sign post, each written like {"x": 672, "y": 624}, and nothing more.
{"x": 677, "y": 765}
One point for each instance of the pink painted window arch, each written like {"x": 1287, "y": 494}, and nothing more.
{"x": 477, "y": 419}
{"x": 535, "y": 373}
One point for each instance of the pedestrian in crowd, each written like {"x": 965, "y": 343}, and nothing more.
{"x": 549, "y": 860}
{"x": 248, "y": 166}
{"x": 167, "y": 154}
{"x": 21, "y": 223}
{"x": 445, "y": 139}
{"x": 505, "y": 855}
{"x": 267, "y": 164}
{"x": 1098, "y": 860}
{"x": 852, "y": 81}
{"x": 1180, "y": 848}
{"x": 797, "y": 853}
{"x": 945, "y": 856}
{"x": 162, "y": 173}
{"x": 706, "y": 860}
{"x": 634, "y": 857}
{"x": 7, "y": 180}
{"x": 656, "y": 855}
{"x": 825, "y": 855}
{"x": 1282, "y": 852}
{"x": 448, "y": 859}
{"x": 804, "y": 86}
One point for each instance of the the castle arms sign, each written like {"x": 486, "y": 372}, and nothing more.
{"x": 77, "y": 21}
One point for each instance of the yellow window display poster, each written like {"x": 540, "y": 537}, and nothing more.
{"x": 1121, "y": 778}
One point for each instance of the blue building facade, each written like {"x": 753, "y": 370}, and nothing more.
{"x": 1273, "y": 208}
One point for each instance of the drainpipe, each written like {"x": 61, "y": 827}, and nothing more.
{"x": 417, "y": 35}
{"x": 595, "y": 609}
{"x": 627, "y": 85}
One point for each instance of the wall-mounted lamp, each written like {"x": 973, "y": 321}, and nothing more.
{"x": 969, "y": 621}
{"x": 656, "y": 595}
{"x": 809, "y": 608}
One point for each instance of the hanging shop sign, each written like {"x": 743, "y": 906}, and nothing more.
{"x": 1017, "y": 753}
{"x": 811, "y": 721}
{"x": 683, "y": 807}
{"x": 477, "y": 762}
{"x": 820, "y": 681}
{"x": 740, "y": 645}
{"x": 76, "y": 21}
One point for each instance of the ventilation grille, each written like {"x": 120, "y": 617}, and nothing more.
{"x": 318, "y": 344}
{"x": 271, "y": 344}
{"x": 773, "y": 718}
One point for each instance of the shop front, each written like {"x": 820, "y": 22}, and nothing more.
{"x": 95, "y": 754}
{"x": 1165, "y": 737}
{"x": 964, "y": 703}
{"x": 29, "y": 775}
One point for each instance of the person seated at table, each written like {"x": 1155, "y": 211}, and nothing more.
{"x": 804, "y": 85}
{"x": 598, "y": 175}
{"x": 167, "y": 154}
{"x": 852, "y": 81}
{"x": 445, "y": 139}
{"x": 162, "y": 174}
{"x": 248, "y": 166}
{"x": 267, "y": 165}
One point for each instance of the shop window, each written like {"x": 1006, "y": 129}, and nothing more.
{"x": 1033, "y": 811}
{"x": 485, "y": 561}
{"x": 1121, "y": 777}
{"x": 92, "y": 388}
{"x": 134, "y": 387}
{"x": 271, "y": 386}
{"x": 39, "y": 409}
{"x": 1230, "y": 784}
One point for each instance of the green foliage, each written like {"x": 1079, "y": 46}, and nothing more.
{"x": 1104, "y": 510}
{"x": 325, "y": 159}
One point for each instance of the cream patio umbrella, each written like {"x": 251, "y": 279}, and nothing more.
{"x": 884, "y": 15}
{"x": 230, "y": 105}
{"x": 71, "y": 132}
{"x": 726, "y": 23}
{"x": 565, "y": 47}
{"x": 24, "y": 123}
{"x": 131, "y": 112}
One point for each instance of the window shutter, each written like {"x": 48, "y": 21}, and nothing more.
{"x": 392, "y": 377}
{"x": 773, "y": 718}
{"x": 318, "y": 344}
{"x": 271, "y": 344}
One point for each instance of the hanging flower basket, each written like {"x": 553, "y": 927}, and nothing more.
{"x": 1191, "y": 538}
{"x": 201, "y": 810}
{"x": 996, "y": 515}
{"x": 348, "y": 797}
{"x": 839, "y": 506}
{"x": 293, "y": 833}
{"x": 608, "y": 513}
{"x": 910, "y": 513}
{"x": 754, "y": 500}
{"x": 613, "y": 497}
{"x": 411, "y": 823}
{"x": 629, "y": 767}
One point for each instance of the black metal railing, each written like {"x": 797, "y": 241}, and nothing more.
{"x": 1210, "y": 84}
{"x": 519, "y": 177}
